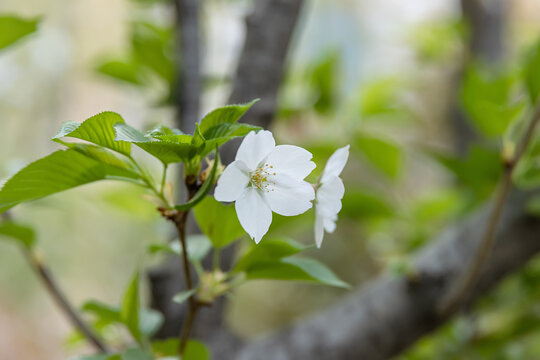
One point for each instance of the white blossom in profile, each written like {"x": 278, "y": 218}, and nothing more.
{"x": 329, "y": 193}
{"x": 265, "y": 178}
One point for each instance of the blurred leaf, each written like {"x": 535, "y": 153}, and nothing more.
{"x": 269, "y": 250}
{"x": 153, "y": 47}
{"x": 198, "y": 247}
{"x": 532, "y": 72}
{"x": 196, "y": 350}
{"x": 13, "y": 28}
{"x": 217, "y": 221}
{"x": 294, "y": 269}
{"x": 203, "y": 190}
{"x": 122, "y": 70}
{"x": 167, "y": 148}
{"x": 162, "y": 130}
{"x": 324, "y": 81}
{"x": 136, "y": 354}
{"x": 150, "y": 321}
{"x": 163, "y": 348}
{"x": 130, "y": 308}
{"x": 480, "y": 171}
{"x": 438, "y": 40}
{"x": 59, "y": 171}
{"x": 102, "y": 311}
{"x": 98, "y": 357}
{"x": 99, "y": 130}
{"x": 360, "y": 204}
{"x": 486, "y": 98}
{"x": 384, "y": 155}
{"x": 23, "y": 234}
{"x": 183, "y": 296}
{"x": 379, "y": 97}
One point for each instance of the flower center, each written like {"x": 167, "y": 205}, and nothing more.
{"x": 260, "y": 178}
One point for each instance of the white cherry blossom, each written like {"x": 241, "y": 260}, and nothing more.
{"x": 265, "y": 178}
{"x": 329, "y": 193}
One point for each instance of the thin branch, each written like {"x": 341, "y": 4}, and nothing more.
{"x": 390, "y": 313}
{"x": 469, "y": 278}
{"x": 61, "y": 300}
{"x": 64, "y": 304}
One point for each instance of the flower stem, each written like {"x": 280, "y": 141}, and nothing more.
{"x": 469, "y": 278}
{"x": 163, "y": 180}
{"x": 149, "y": 183}
{"x": 216, "y": 258}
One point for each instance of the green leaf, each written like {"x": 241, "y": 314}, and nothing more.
{"x": 168, "y": 148}
{"x": 150, "y": 321}
{"x": 324, "y": 81}
{"x": 22, "y": 234}
{"x": 384, "y": 155}
{"x": 196, "y": 350}
{"x": 229, "y": 114}
{"x": 217, "y": 221}
{"x": 136, "y": 354}
{"x": 269, "y": 250}
{"x": 168, "y": 349}
{"x": 13, "y": 28}
{"x": 532, "y": 72}
{"x": 122, "y": 70}
{"x": 183, "y": 296}
{"x": 222, "y": 133}
{"x": 99, "y": 130}
{"x": 103, "y": 312}
{"x": 98, "y": 153}
{"x": 205, "y": 188}
{"x": 295, "y": 269}
{"x": 130, "y": 308}
{"x": 361, "y": 204}
{"x": 486, "y": 98}
{"x": 59, "y": 171}
{"x": 198, "y": 247}
{"x": 153, "y": 47}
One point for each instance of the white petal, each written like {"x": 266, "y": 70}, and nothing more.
{"x": 329, "y": 196}
{"x": 291, "y": 160}
{"x": 288, "y": 196}
{"x": 253, "y": 213}
{"x": 255, "y": 147}
{"x": 319, "y": 229}
{"x": 336, "y": 163}
{"x": 330, "y": 224}
{"x": 232, "y": 182}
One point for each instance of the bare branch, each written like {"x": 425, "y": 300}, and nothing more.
{"x": 390, "y": 313}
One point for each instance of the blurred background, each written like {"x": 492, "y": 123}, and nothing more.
{"x": 385, "y": 76}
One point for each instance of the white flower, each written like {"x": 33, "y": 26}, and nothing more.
{"x": 265, "y": 178}
{"x": 329, "y": 194}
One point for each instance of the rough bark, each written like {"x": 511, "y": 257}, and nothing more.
{"x": 189, "y": 69}
{"x": 390, "y": 313}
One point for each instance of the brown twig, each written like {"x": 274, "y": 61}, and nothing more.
{"x": 61, "y": 300}
{"x": 469, "y": 278}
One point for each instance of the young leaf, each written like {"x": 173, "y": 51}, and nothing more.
{"x": 59, "y": 171}
{"x": 13, "y": 28}
{"x": 103, "y": 312}
{"x": 22, "y": 234}
{"x": 183, "y": 296}
{"x": 384, "y": 155}
{"x": 122, "y": 70}
{"x": 168, "y": 148}
{"x": 130, "y": 308}
{"x": 199, "y": 196}
{"x": 217, "y": 221}
{"x": 196, "y": 350}
{"x": 269, "y": 250}
{"x": 99, "y": 130}
{"x": 227, "y": 114}
{"x": 98, "y": 153}
{"x": 295, "y": 269}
